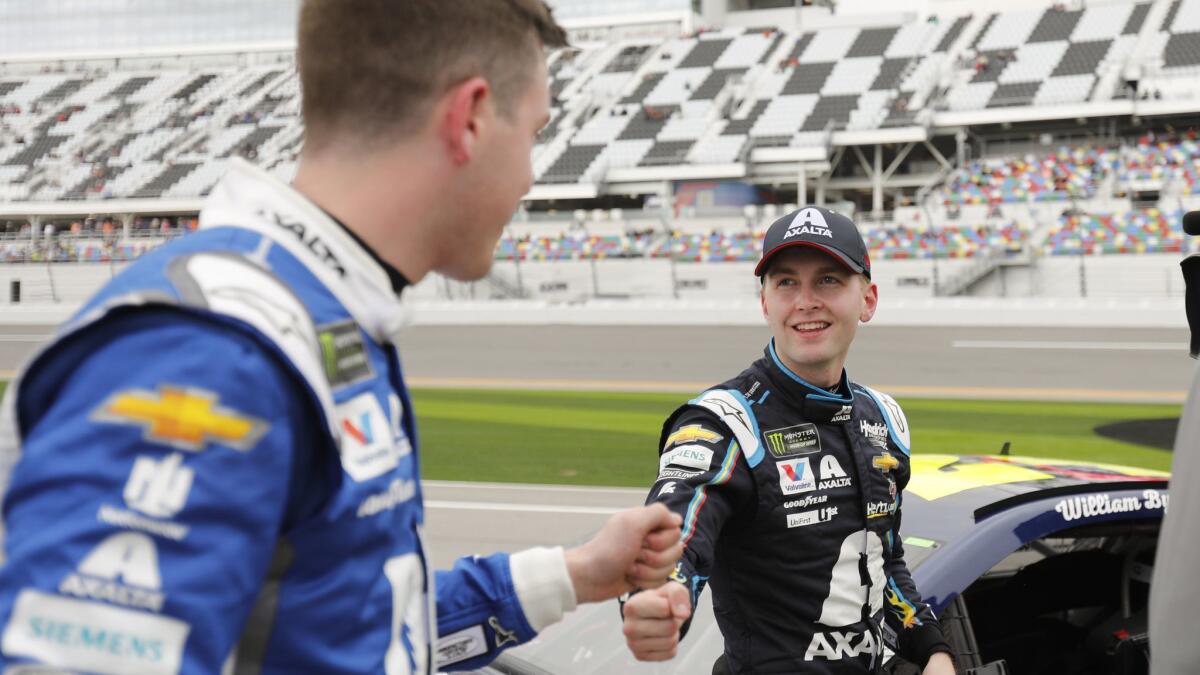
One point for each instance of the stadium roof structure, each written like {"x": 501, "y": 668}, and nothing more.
{"x": 862, "y": 102}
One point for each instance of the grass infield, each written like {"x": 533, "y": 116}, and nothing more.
{"x": 605, "y": 438}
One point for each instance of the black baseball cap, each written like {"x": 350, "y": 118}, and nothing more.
{"x": 819, "y": 228}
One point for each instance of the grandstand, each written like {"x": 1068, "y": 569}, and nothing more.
{"x": 1023, "y": 150}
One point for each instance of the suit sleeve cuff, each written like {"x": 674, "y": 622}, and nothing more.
{"x": 922, "y": 642}
{"x": 543, "y": 585}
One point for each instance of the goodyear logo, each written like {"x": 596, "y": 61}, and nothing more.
{"x": 184, "y": 418}
{"x": 801, "y": 439}
{"x": 692, "y": 433}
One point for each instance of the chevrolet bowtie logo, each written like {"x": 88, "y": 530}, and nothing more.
{"x": 885, "y": 462}
{"x": 188, "y": 419}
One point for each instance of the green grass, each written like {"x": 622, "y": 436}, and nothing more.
{"x": 601, "y": 438}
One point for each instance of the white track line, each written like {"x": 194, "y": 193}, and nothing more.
{"x": 528, "y": 487}
{"x": 1180, "y": 347}
{"x": 533, "y": 508}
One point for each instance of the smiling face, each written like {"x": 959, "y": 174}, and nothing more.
{"x": 813, "y": 305}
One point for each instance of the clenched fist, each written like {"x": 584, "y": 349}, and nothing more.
{"x": 653, "y": 619}
{"x": 636, "y": 548}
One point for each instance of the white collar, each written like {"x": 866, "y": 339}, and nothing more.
{"x": 250, "y": 198}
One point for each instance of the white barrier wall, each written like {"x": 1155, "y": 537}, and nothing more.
{"x": 59, "y": 282}
{"x": 572, "y": 281}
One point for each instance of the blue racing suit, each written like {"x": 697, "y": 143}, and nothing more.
{"x": 214, "y": 468}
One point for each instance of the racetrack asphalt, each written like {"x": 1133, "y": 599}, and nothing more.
{"x": 468, "y": 518}
{"x": 1102, "y": 364}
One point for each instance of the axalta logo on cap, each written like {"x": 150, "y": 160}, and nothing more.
{"x": 808, "y": 221}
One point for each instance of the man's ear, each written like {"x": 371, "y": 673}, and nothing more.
{"x": 870, "y": 300}
{"x": 465, "y": 111}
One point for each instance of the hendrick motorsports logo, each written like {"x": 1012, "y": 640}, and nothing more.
{"x": 1089, "y": 506}
{"x": 801, "y": 439}
{"x": 876, "y": 433}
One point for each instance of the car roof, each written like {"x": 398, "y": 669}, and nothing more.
{"x": 948, "y": 495}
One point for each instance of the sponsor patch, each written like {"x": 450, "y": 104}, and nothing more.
{"x": 806, "y": 518}
{"x": 676, "y": 474}
{"x": 668, "y": 488}
{"x": 369, "y": 446}
{"x": 308, "y": 239}
{"x": 694, "y": 456}
{"x": 343, "y": 353}
{"x": 795, "y": 476}
{"x": 136, "y": 521}
{"x": 182, "y": 417}
{"x": 830, "y": 468}
{"x": 122, "y": 569}
{"x": 808, "y": 501}
{"x": 808, "y": 221}
{"x": 885, "y": 462}
{"x": 460, "y": 646}
{"x": 837, "y": 645}
{"x": 843, "y": 414}
{"x": 93, "y": 637}
{"x": 158, "y": 487}
{"x": 880, "y": 509}
{"x": 398, "y": 492}
{"x": 801, "y": 439}
{"x": 692, "y": 433}
{"x": 876, "y": 433}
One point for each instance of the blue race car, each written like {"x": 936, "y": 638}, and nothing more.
{"x": 1034, "y": 566}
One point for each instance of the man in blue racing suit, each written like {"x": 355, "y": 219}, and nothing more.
{"x": 790, "y": 478}
{"x": 214, "y": 465}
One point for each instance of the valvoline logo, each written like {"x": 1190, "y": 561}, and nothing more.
{"x": 361, "y": 431}
{"x": 795, "y": 475}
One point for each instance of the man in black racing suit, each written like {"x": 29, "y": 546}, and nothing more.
{"x": 790, "y": 478}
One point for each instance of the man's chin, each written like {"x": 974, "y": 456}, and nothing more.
{"x": 467, "y": 272}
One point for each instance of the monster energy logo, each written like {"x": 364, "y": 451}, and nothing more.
{"x": 343, "y": 354}
{"x": 801, "y": 439}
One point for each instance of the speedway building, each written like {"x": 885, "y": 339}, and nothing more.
{"x": 1041, "y": 150}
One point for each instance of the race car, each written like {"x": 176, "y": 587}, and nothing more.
{"x": 1033, "y": 565}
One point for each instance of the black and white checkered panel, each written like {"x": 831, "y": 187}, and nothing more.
{"x": 686, "y": 101}
{"x": 568, "y": 152}
{"x": 1178, "y": 40}
{"x": 1044, "y": 57}
{"x": 845, "y": 79}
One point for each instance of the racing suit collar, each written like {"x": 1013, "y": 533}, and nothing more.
{"x": 250, "y": 198}
{"x": 818, "y": 404}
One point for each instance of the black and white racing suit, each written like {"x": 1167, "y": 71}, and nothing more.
{"x": 791, "y": 497}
